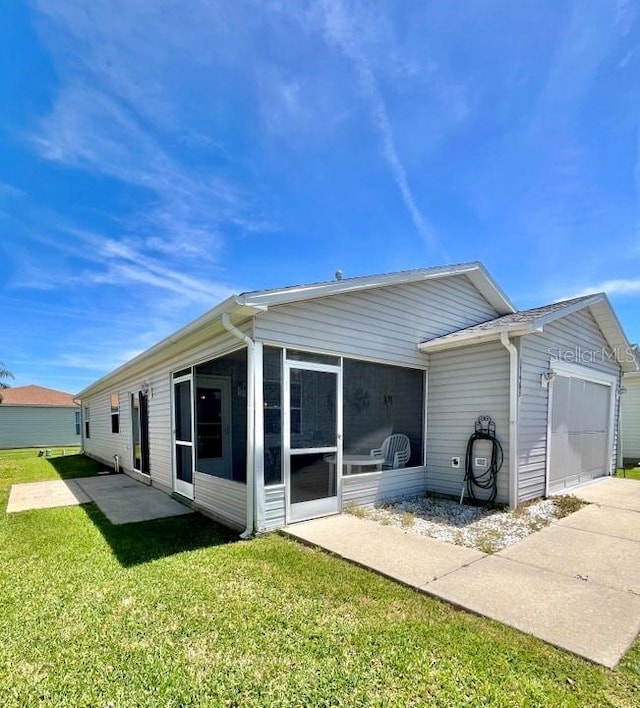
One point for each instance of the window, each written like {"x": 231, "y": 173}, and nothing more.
{"x": 78, "y": 423}
{"x": 87, "y": 424}
{"x": 272, "y": 358}
{"x": 219, "y": 410}
{"x": 383, "y": 403}
{"x": 115, "y": 413}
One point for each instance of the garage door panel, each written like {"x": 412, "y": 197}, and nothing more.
{"x": 596, "y": 407}
{"x": 560, "y": 414}
{"x": 579, "y": 440}
{"x": 594, "y": 452}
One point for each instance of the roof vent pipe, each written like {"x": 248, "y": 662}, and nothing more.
{"x": 338, "y": 274}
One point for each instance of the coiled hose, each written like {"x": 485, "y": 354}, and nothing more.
{"x": 488, "y": 479}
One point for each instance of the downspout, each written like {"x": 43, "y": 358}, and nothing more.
{"x": 513, "y": 418}
{"x": 251, "y": 397}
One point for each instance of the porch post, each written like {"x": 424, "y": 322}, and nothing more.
{"x": 258, "y": 437}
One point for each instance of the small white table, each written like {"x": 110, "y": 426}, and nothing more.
{"x": 351, "y": 461}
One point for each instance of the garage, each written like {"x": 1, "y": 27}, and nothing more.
{"x": 581, "y": 415}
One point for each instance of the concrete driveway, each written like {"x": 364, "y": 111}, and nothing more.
{"x": 574, "y": 584}
{"x": 121, "y": 499}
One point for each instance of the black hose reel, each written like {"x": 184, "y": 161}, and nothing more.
{"x": 486, "y": 478}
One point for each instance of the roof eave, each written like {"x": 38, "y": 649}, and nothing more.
{"x": 463, "y": 339}
{"x": 612, "y": 329}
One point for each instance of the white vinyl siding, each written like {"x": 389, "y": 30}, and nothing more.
{"x": 385, "y": 324}
{"x": 465, "y": 383}
{"x": 224, "y": 500}
{"x": 38, "y": 426}
{"x": 576, "y": 336}
{"x": 374, "y": 487}
{"x": 274, "y": 507}
{"x": 631, "y": 418}
{"x": 103, "y": 444}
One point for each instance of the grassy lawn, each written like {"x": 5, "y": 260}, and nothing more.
{"x": 179, "y": 613}
{"x": 629, "y": 474}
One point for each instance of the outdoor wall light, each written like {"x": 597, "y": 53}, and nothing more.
{"x": 547, "y": 377}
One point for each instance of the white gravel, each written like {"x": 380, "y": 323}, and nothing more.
{"x": 487, "y": 530}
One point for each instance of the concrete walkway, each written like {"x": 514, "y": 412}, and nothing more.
{"x": 121, "y": 499}
{"x": 575, "y": 584}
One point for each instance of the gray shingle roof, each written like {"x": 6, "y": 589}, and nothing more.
{"x": 521, "y": 317}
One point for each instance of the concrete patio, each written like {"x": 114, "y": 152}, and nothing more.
{"x": 575, "y": 584}
{"x": 121, "y": 499}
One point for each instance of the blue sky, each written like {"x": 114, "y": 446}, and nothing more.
{"x": 157, "y": 156}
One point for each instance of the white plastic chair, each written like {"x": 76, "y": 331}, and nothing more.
{"x": 395, "y": 451}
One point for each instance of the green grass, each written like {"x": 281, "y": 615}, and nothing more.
{"x": 629, "y": 473}
{"x": 179, "y": 613}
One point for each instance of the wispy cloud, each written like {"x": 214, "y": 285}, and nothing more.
{"x": 622, "y": 287}
{"x": 340, "y": 31}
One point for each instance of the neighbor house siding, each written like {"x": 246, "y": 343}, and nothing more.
{"x": 631, "y": 418}
{"x": 465, "y": 383}
{"x": 374, "y": 487}
{"x": 37, "y": 426}
{"x": 384, "y": 324}
{"x": 103, "y": 444}
{"x": 575, "y": 339}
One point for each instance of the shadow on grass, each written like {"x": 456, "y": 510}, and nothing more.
{"x": 70, "y": 466}
{"x": 144, "y": 541}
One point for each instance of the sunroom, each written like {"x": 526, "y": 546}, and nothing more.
{"x": 328, "y": 431}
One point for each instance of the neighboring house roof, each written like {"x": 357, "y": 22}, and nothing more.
{"x": 248, "y": 304}
{"x": 36, "y": 396}
{"x": 534, "y": 320}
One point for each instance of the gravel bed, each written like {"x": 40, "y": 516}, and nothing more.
{"x": 485, "y": 529}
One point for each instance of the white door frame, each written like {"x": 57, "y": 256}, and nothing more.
{"x": 135, "y": 411}
{"x": 320, "y": 507}
{"x": 576, "y": 371}
{"x": 180, "y": 486}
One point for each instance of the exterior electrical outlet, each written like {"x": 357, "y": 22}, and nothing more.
{"x": 455, "y": 462}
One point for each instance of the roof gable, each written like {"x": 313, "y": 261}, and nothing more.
{"x": 475, "y": 271}
{"x": 241, "y": 307}
{"x": 534, "y": 320}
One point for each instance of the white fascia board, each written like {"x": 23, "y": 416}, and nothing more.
{"x": 491, "y": 291}
{"x": 157, "y": 352}
{"x": 609, "y": 324}
{"x": 463, "y": 339}
{"x": 568, "y": 310}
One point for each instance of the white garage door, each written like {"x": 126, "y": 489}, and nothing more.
{"x": 580, "y": 426}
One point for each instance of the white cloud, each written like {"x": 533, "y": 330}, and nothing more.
{"x": 628, "y": 287}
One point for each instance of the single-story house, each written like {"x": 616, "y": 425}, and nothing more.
{"x": 630, "y": 423}
{"x": 34, "y": 416}
{"x": 283, "y": 405}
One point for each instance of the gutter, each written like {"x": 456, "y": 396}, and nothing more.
{"x": 513, "y": 418}
{"x": 251, "y": 410}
